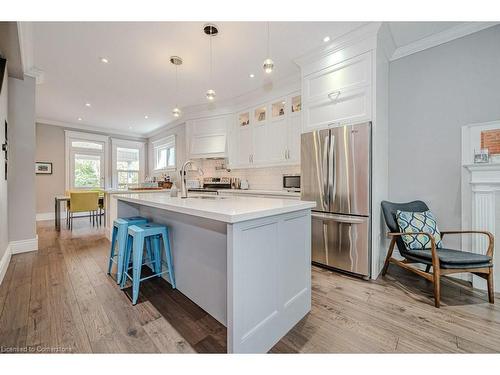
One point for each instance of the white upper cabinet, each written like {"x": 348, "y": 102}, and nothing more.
{"x": 338, "y": 94}
{"x": 207, "y": 137}
{"x": 294, "y": 129}
{"x": 267, "y": 135}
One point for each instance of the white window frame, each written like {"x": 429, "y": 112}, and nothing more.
{"x": 115, "y": 143}
{"x": 163, "y": 142}
{"x": 69, "y": 151}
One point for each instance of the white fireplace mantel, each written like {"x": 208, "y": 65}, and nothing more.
{"x": 484, "y": 182}
{"x": 480, "y": 190}
{"x": 485, "y": 174}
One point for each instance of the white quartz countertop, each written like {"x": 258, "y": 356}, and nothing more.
{"x": 227, "y": 209}
{"x": 121, "y": 191}
{"x": 261, "y": 192}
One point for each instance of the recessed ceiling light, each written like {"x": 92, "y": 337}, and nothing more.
{"x": 326, "y": 39}
{"x": 146, "y": 117}
{"x": 251, "y": 75}
{"x": 104, "y": 60}
{"x": 87, "y": 105}
{"x": 80, "y": 119}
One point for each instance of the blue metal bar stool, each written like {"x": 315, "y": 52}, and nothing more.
{"x": 120, "y": 233}
{"x": 149, "y": 234}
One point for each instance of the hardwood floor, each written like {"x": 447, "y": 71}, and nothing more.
{"x": 60, "y": 299}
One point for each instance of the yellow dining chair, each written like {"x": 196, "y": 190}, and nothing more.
{"x": 101, "y": 212}
{"x": 83, "y": 201}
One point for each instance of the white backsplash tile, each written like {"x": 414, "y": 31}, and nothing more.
{"x": 265, "y": 178}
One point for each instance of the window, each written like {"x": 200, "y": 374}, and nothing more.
{"x": 128, "y": 163}
{"x": 86, "y": 160}
{"x": 164, "y": 153}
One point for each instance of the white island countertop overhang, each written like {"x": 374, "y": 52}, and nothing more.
{"x": 244, "y": 260}
{"x": 226, "y": 209}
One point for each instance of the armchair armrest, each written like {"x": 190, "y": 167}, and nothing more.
{"x": 435, "y": 258}
{"x": 491, "y": 243}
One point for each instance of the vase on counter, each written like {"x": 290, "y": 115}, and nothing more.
{"x": 173, "y": 191}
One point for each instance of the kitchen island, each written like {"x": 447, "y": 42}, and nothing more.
{"x": 244, "y": 260}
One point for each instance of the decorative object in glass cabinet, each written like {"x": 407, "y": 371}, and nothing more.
{"x": 278, "y": 108}
{"x": 244, "y": 119}
{"x": 296, "y": 104}
{"x": 260, "y": 114}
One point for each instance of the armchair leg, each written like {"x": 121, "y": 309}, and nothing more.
{"x": 437, "y": 288}
{"x": 428, "y": 268}
{"x": 388, "y": 257}
{"x": 491, "y": 292}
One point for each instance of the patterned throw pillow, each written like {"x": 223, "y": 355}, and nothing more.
{"x": 418, "y": 222}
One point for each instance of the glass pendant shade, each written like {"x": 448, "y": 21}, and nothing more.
{"x": 176, "y": 112}
{"x": 210, "y": 94}
{"x": 268, "y": 65}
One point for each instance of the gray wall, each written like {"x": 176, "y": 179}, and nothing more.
{"x": 21, "y": 187}
{"x": 432, "y": 94}
{"x": 50, "y": 148}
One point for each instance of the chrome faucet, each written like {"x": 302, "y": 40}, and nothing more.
{"x": 184, "y": 190}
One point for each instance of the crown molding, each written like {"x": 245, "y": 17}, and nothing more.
{"x": 89, "y": 128}
{"x": 25, "y": 32}
{"x": 363, "y": 32}
{"x": 445, "y": 36}
{"x": 264, "y": 93}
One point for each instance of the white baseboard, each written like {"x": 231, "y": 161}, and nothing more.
{"x": 46, "y": 216}
{"x": 41, "y": 216}
{"x": 4, "y": 263}
{"x": 23, "y": 246}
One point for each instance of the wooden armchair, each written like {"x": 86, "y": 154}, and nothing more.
{"x": 443, "y": 261}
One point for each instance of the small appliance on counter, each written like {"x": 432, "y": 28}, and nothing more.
{"x": 193, "y": 184}
{"x": 291, "y": 182}
{"x": 244, "y": 184}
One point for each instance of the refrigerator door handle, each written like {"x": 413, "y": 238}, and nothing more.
{"x": 332, "y": 186}
{"x": 326, "y": 191}
{"x": 339, "y": 218}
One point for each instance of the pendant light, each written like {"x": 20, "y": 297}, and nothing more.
{"x": 211, "y": 30}
{"x": 268, "y": 64}
{"x": 176, "y": 61}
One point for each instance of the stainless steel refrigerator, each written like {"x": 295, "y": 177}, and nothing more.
{"x": 336, "y": 174}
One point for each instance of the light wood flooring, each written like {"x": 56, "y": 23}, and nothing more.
{"x": 60, "y": 299}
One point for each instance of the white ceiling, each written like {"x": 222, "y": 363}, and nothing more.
{"x": 139, "y": 79}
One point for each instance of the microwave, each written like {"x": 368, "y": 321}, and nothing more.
{"x": 291, "y": 182}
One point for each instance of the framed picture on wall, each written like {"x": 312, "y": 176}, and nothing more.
{"x": 43, "y": 167}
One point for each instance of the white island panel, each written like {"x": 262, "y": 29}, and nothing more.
{"x": 252, "y": 275}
